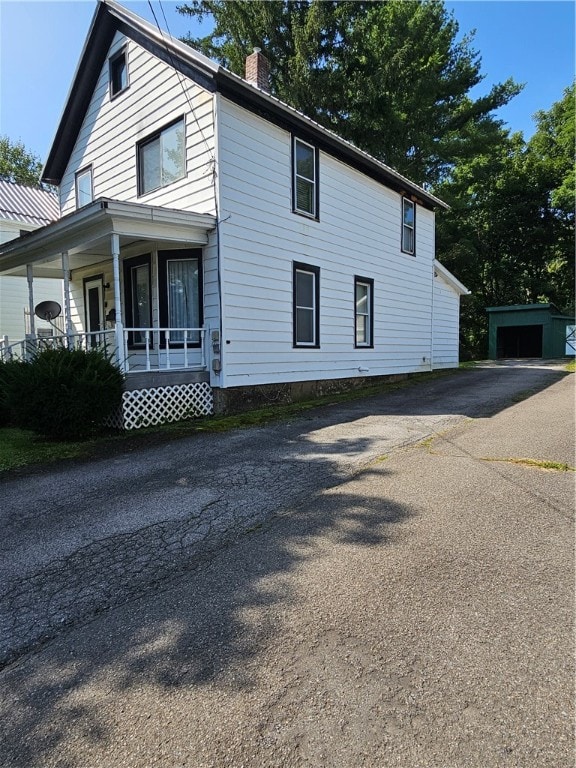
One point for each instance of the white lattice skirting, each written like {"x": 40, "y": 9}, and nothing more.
{"x": 150, "y": 407}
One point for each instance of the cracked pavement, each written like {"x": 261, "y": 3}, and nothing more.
{"x": 79, "y": 540}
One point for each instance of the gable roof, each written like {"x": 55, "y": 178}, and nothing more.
{"x": 110, "y": 17}
{"x": 27, "y": 205}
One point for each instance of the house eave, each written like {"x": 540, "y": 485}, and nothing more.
{"x": 449, "y": 278}
{"x": 90, "y": 228}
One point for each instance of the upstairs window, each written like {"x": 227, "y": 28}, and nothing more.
{"x": 363, "y": 314}
{"x": 84, "y": 190}
{"x": 161, "y": 158}
{"x": 305, "y": 178}
{"x": 118, "y": 67}
{"x": 306, "y": 305}
{"x": 408, "y": 226}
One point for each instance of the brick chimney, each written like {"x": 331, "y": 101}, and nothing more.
{"x": 258, "y": 70}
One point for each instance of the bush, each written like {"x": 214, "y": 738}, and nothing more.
{"x": 6, "y": 369}
{"x": 63, "y": 393}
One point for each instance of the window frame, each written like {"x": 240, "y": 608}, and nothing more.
{"x": 315, "y": 214}
{"x": 163, "y": 300}
{"x": 404, "y": 227}
{"x": 81, "y": 172}
{"x": 146, "y": 141}
{"x": 298, "y": 266}
{"x": 369, "y": 283}
{"x": 122, "y": 54}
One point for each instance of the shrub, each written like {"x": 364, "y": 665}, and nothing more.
{"x": 6, "y": 369}
{"x": 63, "y": 393}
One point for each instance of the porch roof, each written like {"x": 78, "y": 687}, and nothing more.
{"x": 86, "y": 236}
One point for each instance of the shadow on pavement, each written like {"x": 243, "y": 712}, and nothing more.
{"x": 202, "y": 630}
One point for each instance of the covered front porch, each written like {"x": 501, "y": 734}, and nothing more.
{"x": 133, "y": 285}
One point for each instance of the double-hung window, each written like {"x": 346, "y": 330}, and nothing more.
{"x": 363, "y": 312}
{"x": 306, "y": 305}
{"x": 162, "y": 158}
{"x": 84, "y": 190}
{"x": 408, "y": 226}
{"x": 305, "y": 197}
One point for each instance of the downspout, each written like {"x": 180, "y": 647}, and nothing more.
{"x": 119, "y": 327}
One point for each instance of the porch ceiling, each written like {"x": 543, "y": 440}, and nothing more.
{"x": 86, "y": 236}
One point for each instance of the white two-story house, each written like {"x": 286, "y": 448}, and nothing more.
{"x": 225, "y": 246}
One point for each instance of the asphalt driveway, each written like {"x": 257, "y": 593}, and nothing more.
{"x": 378, "y": 584}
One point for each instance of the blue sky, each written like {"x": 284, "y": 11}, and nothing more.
{"x": 41, "y": 41}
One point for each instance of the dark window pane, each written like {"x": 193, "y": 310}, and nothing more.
{"x": 305, "y": 161}
{"x": 304, "y": 289}
{"x": 118, "y": 74}
{"x": 304, "y": 195}
{"x": 408, "y": 213}
{"x": 305, "y": 326}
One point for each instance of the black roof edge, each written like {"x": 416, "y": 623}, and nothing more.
{"x": 88, "y": 71}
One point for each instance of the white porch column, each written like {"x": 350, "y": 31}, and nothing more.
{"x": 30, "y": 278}
{"x": 67, "y": 307}
{"x": 121, "y": 352}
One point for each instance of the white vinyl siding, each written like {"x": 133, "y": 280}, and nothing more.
{"x": 113, "y": 128}
{"x": 359, "y": 234}
{"x": 446, "y": 325}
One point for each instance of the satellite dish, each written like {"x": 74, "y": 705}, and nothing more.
{"x": 47, "y": 310}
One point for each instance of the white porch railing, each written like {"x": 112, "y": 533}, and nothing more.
{"x": 164, "y": 349}
{"x": 28, "y": 347}
{"x": 145, "y": 349}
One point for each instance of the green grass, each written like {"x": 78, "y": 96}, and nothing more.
{"x": 571, "y": 367}
{"x": 557, "y": 466}
{"x": 19, "y": 448}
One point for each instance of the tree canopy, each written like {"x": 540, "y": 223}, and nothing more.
{"x": 391, "y": 77}
{"x": 395, "y": 79}
{"x": 17, "y": 164}
{"x": 509, "y": 235}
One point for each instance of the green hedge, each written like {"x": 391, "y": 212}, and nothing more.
{"x": 61, "y": 393}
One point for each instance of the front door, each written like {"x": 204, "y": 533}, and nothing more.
{"x": 94, "y": 307}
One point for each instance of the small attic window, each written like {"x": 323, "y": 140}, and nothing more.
{"x": 118, "y": 73}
